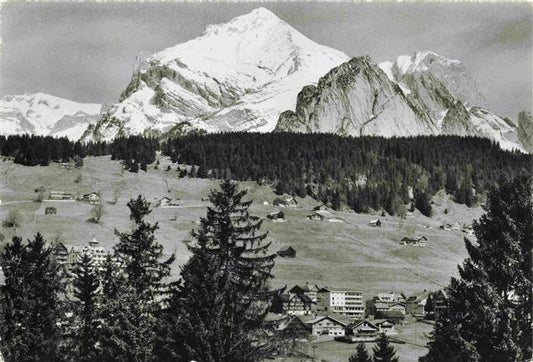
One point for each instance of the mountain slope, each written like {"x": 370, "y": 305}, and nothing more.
{"x": 419, "y": 95}
{"x": 44, "y": 114}
{"x": 237, "y": 76}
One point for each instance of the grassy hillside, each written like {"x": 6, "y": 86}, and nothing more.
{"x": 349, "y": 254}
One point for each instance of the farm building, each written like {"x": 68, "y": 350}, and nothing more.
{"x": 392, "y": 316}
{"x": 167, "y": 202}
{"x": 92, "y": 198}
{"x": 316, "y": 216}
{"x": 320, "y": 208}
{"x": 362, "y": 331}
{"x": 50, "y": 211}
{"x": 292, "y": 304}
{"x": 418, "y": 241}
{"x": 287, "y": 252}
{"x": 375, "y": 223}
{"x": 285, "y": 201}
{"x": 329, "y": 325}
{"x": 277, "y": 215}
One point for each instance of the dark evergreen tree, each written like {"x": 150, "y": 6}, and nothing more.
{"x": 82, "y": 342}
{"x": 383, "y": 351}
{"x": 132, "y": 288}
{"x": 31, "y": 302}
{"x": 224, "y": 296}
{"x": 361, "y": 354}
{"x": 422, "y": 203}
{"x": 489, "y": 314}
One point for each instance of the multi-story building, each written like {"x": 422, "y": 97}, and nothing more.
{"x": 347, "y": 302}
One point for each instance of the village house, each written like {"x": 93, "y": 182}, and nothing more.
{"x": 306, "y": 290}
{"x": 278, "y": 216}
{"x": 440, "y": 304}
{"x": 331, "y": 324}
{"x": 375, "y": 223}
{"x": 393, "y": 316}
{"x": 418, "y": 241}
{"x": 316, "y": 216}
{"x": 292, "y": 304}
{"x": 60, "y": 196}
{"x": 362, "y": 331}
{"x": 93, "y": 198}
{"x": 346, "y": 302}
{"x": 167, "y": 202}
{"x": 320, "y": 208}
{"x": 287, "y": 252}
{"x": 285, "y": 201}
{"x": 415, "y": 304}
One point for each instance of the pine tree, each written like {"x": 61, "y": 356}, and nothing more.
{"x": 31, "y": 302}
{"x": 383, "y": 351}
{"x": 361, "y": 354}
{"x": 132, "y": 288}
{"x": 224, "y": 295}
{"x": 82, "y": 344}
{"x": 489, "y": 311}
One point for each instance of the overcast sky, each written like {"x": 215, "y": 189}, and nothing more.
{"x": 85, "y": 52}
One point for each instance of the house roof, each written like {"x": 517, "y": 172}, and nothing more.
{"x": 386, "y": 314}
{"x": 359, "y": 323}
{"x": 381, "y": 305}
{"x": 336, "y": 317}
{"x": 297, "y": 288}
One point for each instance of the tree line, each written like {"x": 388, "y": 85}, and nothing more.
{"x": 357, "y": 172}
{"x": 30, "y": 150}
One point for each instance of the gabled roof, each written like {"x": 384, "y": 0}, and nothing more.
{"x": 297, "y": 289}
{"x": 335, "y": 317}
{"x": 359, "y": 323}
{"x": 386, "y": 314}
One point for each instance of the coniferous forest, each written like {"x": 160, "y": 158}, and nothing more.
{"x": 362, "y": 173}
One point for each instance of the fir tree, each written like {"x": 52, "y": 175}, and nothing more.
{"x": 132, "y": 288}
{"x": 224, "y": 296}
{"x": 82, "y": 345}
{"x": 31, "y": 302}
{"x": 383, "y": 351}
{"x": 361, "y": 354}
{"x": 489, "y": 312}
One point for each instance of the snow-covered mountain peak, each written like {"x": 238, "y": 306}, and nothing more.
{"x": 45, "y": 114}
{"x": 236, "y": 76}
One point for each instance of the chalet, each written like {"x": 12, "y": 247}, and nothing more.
{"x": 285, "y": 201}
{"x": 320, "y": 208}
{"x": 363, "y": 331}
{"x": 316, "y": 216}
{"x": 328, "y": 325}
{"x": 59, "y": 196}
{"x": 294, "y": 328}
{"x": 418, "y": 241}
{"x": 375, "y": 223}
{"x": 93, "y": 198}
{"x": 385, "y": 326}
{"x": 415, "y": 304}
{"x": 50, "y": 211}
{"x": 287, "y": 252}
{"x": 294, "y": 304}
{"x": 393, "y": 316}
{"x": 167, "y": 202}
{"x": 299, "y": 289}
{"x": 451, "y": 227}
{"x": 276, "y": 216}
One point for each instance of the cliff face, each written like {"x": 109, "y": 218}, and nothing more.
{"x": 421, "y": 95}
{"x": 356, "y": 98}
